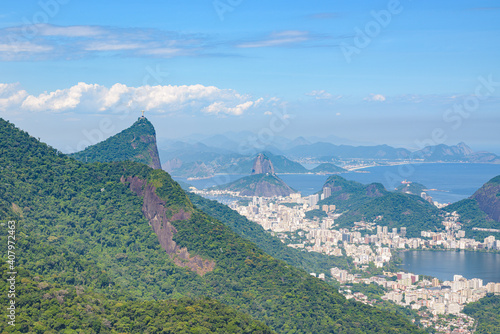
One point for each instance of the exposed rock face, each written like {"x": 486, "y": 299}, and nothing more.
{"x": 488, "y": 198}
{"x": 154, "y": 157}
{"x": 262, "y": 165}
{"x": 155, "y": 211}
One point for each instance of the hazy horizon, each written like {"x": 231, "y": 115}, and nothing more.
{"x": 400, "y": 73}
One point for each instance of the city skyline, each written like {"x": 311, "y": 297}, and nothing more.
{"x": 385, "y": 72}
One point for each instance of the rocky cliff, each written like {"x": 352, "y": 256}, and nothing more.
{"x": 262, "y": 165}
{"x": 156, "y": 211}
{"x": 488, "y": 198}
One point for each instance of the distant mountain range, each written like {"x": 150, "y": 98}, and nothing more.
{"x": 200, "y": 156}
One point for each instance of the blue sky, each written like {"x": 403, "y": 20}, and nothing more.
{"x": 394, "y": 72}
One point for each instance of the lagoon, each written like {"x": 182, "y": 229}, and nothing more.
{"x": 445, "y": 264}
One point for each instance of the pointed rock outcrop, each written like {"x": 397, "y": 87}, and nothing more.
{"x": 262, "y": 165}
{"x": 137, "y": 143}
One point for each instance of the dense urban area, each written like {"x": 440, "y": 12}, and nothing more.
{"x": 438, "y": 304}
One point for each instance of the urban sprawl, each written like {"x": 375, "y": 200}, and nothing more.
{"x": 286, "y": 216}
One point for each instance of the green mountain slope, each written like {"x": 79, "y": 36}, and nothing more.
{"x": 137, "y": 143}
{"x": 93, "y": 225}
{"x": 397, "y": 210}
{"x": 369, "y": 202}
{"x": 486, "y": 312}
{"x": 62, "y": 308}
{"x": 481, "y": 210}
{"x": 411, "y": 188}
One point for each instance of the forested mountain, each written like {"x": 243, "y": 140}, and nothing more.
{"x": 486, "y": 311}
{"x": 413, "y": 188}
{"x": 101, "y": 244}
{"x": 482, "y": 209}
{"x": 371, "y": 202}
{"x": 136, "y": 143}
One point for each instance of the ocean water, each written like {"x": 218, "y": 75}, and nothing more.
{"x": 452, "y": 181}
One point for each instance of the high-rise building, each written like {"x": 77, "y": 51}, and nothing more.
{"x": 385, "y": 229}
{"x": 327, "y": 192}
{"x": 313, "y": 200}
{"x": 435, "y": 281}
{"x": 403, "y": 231}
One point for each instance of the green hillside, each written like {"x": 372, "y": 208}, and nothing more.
{"x": 397, "y": 210}
{"x": 359, "y": 202}
{"x": 481, "y": 210}
{"x": 136, "y": 143}
{"x": 413, "y": 188}
{"x": 348, "y": 194}
{"x": 52, "y": 308}
{"x": 84, "y": 226}
{"x": 486, "y": 312}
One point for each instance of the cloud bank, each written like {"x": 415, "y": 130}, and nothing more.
{"x": 97, "y": 99}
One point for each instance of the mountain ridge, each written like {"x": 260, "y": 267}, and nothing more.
{"x": 85, "y": 212}
{"x": 136, "y": 143}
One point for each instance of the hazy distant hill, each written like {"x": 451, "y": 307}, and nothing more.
{"x": 459, "y": 152}
{"x": 439, "y": 153}
{"x": 201, "y": 156}
{"x": 137, "y": 143}
{"x": 347, "y": 152}
{"x": 327, "y": 168}
{"x": 198, "y": 160}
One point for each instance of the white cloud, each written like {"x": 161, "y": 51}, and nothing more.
{"x": 375, "y": 98}
{"x": 323, "y": 95}
{"x": 75, "y": 42}
{"x": 11, "y": 96}
{"x": 68, "y": 31}
{"x": 112, "y": 46}
{"x": 64, "y": 99}
{"x": 279, "y": 39}
{"x": 320, "y": 94}
{"x": 17, "y": 47}
{"x": 94, "y": 98}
